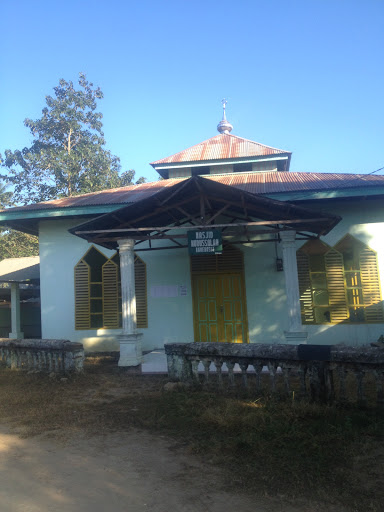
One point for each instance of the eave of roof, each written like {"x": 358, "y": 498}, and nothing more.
{"x": 287, "y": 186}
{"x": 335, "y": 195}
{"x": 20, "y": 270}
{"x": 204, "y": 163}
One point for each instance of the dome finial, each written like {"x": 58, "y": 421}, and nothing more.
{"x": 224, "y": 126}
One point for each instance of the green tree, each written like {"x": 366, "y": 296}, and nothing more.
{"x": 14, "y": 244}
{"x": 67, "y": 156}
{"x": 5, "y": 196}
{"x": 128, "y": 178}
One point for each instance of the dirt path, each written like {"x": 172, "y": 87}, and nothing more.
{"x": 131, "y": 472}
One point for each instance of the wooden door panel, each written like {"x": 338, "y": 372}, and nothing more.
{"x": 214, "y": 332}
{"x": 220, "y": 308}
{"x": 203, "y": 332}
{"x": 202, "y": 310}
{"x": 239, "y": 333}
{"x": 227, "y": 311}
{"x": 238, "y": 310}
{"x": 206, "y": 323}
{"x": 228, "y": 332}
{"x": 236, "y": 287}
{"x": 212, "y": 311}
{"x": 200, "y": 286}
{"x": 233, "y": 317}
{"x": 226, "y": 287}
{"x": 211, "y": 288}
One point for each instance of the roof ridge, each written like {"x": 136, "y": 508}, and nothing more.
{"x": 187, "y": 149}
{"x": 219, "y": 136}
{"x": 255, "y": 142}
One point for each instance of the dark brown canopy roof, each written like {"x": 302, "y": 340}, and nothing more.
{"x": 200, "y": 202}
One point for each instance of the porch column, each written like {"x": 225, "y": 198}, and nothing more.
{"x": 130, "y": 339}
{"x": 296, "y": 332}
{"x": 15, "y": 312}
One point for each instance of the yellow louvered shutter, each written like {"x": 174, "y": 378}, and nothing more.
{"x": 336, "y": 288}
{"x": 141, "y": 293}
{"x": 371, "y": 286}
{"x": 82, "y": 306}
{"x": 110, "y": 295}
{"x": 305, "y": 287}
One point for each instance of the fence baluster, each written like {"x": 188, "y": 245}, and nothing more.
{"x": 231, "y": 377}
{"x": 218, "y": 364}
{"x": 195, "y": 371}
{"x": 272, "y": 376}
{"x": 360, "y": 386}
{"x": 379, "y": 387}
{"x": 258, "y": 367}
{"x": 287, "y": 375}
{"x": 302, "y": 375}
{"x": 206, "y": 365}
{"x": 243, "y": 367}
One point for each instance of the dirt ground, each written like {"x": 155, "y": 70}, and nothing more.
{"x": 58, "y": 454}
{"x": 126, "y": 472}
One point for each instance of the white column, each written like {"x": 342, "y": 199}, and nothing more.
{"x": 130, "y": 339}
{"x": 15, "y": 312}
{"x": 296, "y": 332}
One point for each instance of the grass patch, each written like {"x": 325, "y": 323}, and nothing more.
{"x": 267, "y": 445}
{"x": 276, "y": 447}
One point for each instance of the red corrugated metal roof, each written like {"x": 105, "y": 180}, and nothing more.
{"x": 119, "y": 195}
{"x": 256, "y": 183}
{"x": 222, "y": 146}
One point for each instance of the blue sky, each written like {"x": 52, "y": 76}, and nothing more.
{"x": 304, "y": 76}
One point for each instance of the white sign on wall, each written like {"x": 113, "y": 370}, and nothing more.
{"x": 168, "y": 290}
{"x": 164, "y": 290}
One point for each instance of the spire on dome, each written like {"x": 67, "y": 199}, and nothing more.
{"x": 224, "y": 126}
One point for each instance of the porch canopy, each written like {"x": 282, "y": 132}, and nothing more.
{"x": 163, "y": 220}
{"x": 197, "y": 203}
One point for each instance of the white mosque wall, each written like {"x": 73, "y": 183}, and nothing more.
{"x": 170, "y": 318}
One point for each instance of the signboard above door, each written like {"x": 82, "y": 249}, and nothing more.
{"x": 205, "y": 242}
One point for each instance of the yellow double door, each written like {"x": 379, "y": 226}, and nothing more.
{"x": 220, "y": 312}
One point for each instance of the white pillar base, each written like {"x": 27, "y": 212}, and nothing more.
{"x": 130, "y": 349}
{"x": 16, "y": 335}
{"x": 296, "y": 337}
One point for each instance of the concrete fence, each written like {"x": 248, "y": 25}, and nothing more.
{"x": 318, "y": 367}
{"x": 58, "y": 356}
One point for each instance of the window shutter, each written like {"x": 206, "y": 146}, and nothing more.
{"x": 230, "y": 261}
{"x": 141, "y": 293}
{"x": 336, "y": 289}
{"x": 82, "y": 307}
{"x": 305, "y": 287}
{"x": 110, "y": 295}
{"x": 371, "y": 286}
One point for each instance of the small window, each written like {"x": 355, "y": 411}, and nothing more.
{"x": 199, "y": 171}
{"x": 243, "y": 167}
